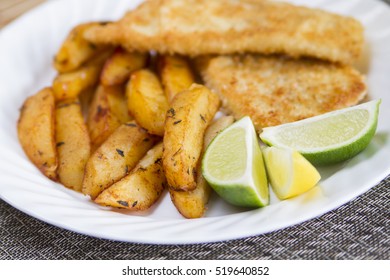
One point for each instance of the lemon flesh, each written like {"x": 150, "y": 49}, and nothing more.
{"x": 290, "y": 174}
{"x": 328, "y": 138}
{"x": 233, "y": 166}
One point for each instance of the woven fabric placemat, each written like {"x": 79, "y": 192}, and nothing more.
{"x": 359, "y": 229}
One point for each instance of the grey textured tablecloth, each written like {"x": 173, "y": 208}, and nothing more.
{"x": 359, "y": 229}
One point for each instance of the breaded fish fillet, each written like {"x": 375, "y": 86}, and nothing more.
{"x": 274, "y": 90}
{"x": 196, "y": 27}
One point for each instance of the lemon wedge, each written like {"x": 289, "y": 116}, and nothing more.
{"x": 290, "y": 174}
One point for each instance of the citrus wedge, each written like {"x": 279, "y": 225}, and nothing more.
{"x": 233, "y": 166}
{"x": 289, "y": 173}
{"x": 329, "y": 138}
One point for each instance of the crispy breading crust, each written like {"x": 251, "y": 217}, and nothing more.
{"x": 274, "y": 90}
{"x": 196, "y": 27}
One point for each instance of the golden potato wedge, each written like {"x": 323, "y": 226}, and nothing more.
{"x": 192, "y": 204}
{"x": 191, "y": 112}
{"x": 86, "y": 98}
{"x": 116, "y": 157}
{"x": 119, "y": 66}
{"x": 176, "y": 74}
{"x": 118, "y": 105}
{"x": 69, "y": 85}
{"x": 73, "y": 145}
{"x": 107, "y": 112}
{"x": 141, "y": 188}
{"x": 36, "y": 131}
{"x": 75, "y": 50}
{"x": 146, "y": 101}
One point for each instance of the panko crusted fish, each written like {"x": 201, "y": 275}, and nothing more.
{"x": 198, "y": 27}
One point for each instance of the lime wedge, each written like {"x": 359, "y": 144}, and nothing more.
{"x": 233, "y": 166}
{"x": 328, "y": 138}
{"x": 290, "y": 174}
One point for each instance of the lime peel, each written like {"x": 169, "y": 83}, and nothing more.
{"x": 329, "y": 138}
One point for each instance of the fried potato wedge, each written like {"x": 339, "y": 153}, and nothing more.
{"x": 75, "y": 50}
{"x": 192, "y": 204}
{"x": 117, "y": 103}
{"x": 36, "y": 131}
{"x": 191, "y": 112}
{"x": 119, "y": 66}
{"x": 146, "y": 101}
{"x": 73, "y": 145}
{"x": 140, "y": 189}
{"x": 176, "y": 74}
{"x": 108, "y": 110}
{"x": 86, "y": 98}
{"x": 116, "y": 157}
{"x": 69, "y": 85}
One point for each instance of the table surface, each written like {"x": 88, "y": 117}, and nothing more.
{"x": 356, "y": 230}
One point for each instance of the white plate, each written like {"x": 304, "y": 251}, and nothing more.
{"x": 27, "y": 47}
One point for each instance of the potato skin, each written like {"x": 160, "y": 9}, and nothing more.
{"x": 120, "y": 65}
{"x": 192, "y": 204}
{"x": 176, "y": 74}
{"x": 73, "y": 144}
{"x": 191, "y": 112}
{"x": 71, "y": 84}
{"x": 140, "y": 189}
{"x": 108, "y": 110}
{"x": 116, "y": 157}
{"x": 75, "y": 50}
{"x": 146, "y": 101}
{"x": 36, "y": 131}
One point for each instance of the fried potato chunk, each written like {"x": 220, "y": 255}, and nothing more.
{"x": 71, "y": 84}
{"x": 116, "y": 157}
{"x": 192, "y": 204}
{"x": 176, "y": 74}
{"x": 119, "y": 66}
{"x": 191, "y": 112}
{"x": 146, "y": 101}
{"x": 73, "y": 145}
{"x": 75, "y": 50}
{"x": 140, "y": 189}
{"x": 36, "y": 131}
{"x": 107, "y": 112}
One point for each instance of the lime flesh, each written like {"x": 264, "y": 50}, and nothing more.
{"x": 233, "y": 166}
{"x": 228, "y": 166}
{"x": 328, "y": 138}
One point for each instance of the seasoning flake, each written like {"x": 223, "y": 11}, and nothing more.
{"x": 123, "y": 203}
{"x": 60, "y": 144}
{"x": 120, "y": 152}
